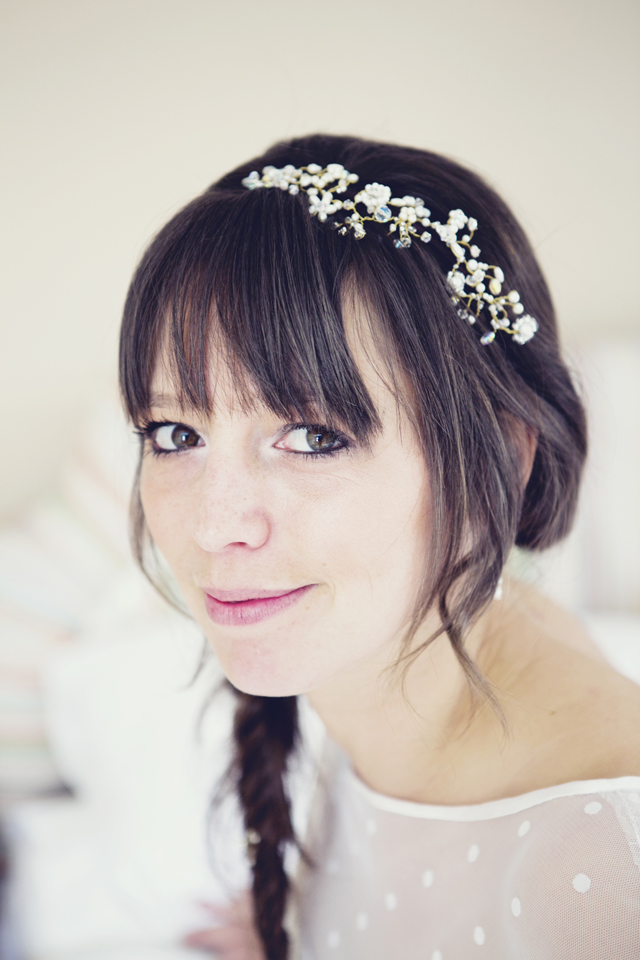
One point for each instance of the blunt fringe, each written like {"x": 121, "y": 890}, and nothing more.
{"x": 252, "y": 277}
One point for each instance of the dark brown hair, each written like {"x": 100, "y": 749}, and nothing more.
{"x": 275, "y": 280}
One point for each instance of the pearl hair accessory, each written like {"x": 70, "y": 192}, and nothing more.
{"x": 466, "y": 279}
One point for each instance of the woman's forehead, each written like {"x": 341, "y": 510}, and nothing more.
{"x": 231, "y": 388}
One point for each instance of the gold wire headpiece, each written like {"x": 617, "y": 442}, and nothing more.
{"x": 473, "y": 284}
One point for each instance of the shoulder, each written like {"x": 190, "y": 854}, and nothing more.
{"x": 593, "y": 721}
{"x": 577, "y": 877}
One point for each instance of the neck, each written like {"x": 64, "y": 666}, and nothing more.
{"x": 413, "y": 739}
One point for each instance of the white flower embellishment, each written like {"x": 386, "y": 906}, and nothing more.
{"x": 524, "y": 328}
{"x": 473, "y": 284}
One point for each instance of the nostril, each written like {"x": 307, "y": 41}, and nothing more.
{"x": 216, "y": 530}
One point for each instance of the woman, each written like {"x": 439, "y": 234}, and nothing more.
{"x": 343, "y": 362}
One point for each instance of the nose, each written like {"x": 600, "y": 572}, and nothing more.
{"x": 231, "y": 511}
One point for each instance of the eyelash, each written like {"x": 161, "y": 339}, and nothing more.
{"x": 149, "y": 427}
{"x": 146, "y": 431}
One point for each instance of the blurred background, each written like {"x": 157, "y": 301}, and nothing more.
{"x": 114, "y": 114}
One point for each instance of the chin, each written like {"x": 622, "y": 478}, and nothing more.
{"x": 260, "y": 683}
{"x": 264, "y": 673}
{"x": 264, "y": 689}
{"x": 274, "y": 659}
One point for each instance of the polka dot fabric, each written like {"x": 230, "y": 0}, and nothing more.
{"x": 551, "y": 875}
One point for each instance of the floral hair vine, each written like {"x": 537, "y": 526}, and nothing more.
{"x": 473, "y": 284}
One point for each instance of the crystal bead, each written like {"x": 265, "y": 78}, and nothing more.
{"x": 487, "y": 338}
{"x": 426, "y": 237}
{"x": 383, "y": 214}
{"x": 252, "y": 181}
{"x": 293, "y": 189}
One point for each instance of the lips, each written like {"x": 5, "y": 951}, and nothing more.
{"x": 244, "y": 607}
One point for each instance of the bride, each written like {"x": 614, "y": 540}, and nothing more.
{"x": 343, "y": 363}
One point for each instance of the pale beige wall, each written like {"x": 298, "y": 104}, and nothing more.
{"x": 118, "y": 111}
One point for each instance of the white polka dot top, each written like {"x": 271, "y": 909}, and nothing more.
{"x": 550, "y": 875}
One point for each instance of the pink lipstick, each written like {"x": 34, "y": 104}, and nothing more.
{"x": 244, "y": 607}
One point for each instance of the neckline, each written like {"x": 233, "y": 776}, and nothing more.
{"x": 492, "y": 809}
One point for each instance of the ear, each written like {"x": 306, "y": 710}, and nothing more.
{"x": 525, "y": 440}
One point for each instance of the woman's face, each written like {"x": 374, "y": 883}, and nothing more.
{"x": 298, "y": 550}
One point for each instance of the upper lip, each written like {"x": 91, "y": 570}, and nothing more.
{"x": 236, "y": 596}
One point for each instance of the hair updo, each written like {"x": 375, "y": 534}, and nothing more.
{"x": 251, "y": 273}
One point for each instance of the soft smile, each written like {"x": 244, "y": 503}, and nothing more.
{"x": 244, "y": 607}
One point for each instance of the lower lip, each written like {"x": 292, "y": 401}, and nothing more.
{"x": 245, "y": 612}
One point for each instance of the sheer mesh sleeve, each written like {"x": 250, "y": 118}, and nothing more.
{"x": 576, "y": 886}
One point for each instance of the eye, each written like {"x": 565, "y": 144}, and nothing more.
{"x": 170, "y": 437}
{"x": 312, "y": 440}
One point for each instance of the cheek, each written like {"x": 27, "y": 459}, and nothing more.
{"x": 379, "y": 553}
{"x": 367, "y": 543}
{"x": 165, "y": 504}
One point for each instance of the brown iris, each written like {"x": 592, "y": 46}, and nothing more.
{"x": 183, "y": 437}
{"x": 321, "y": 440}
